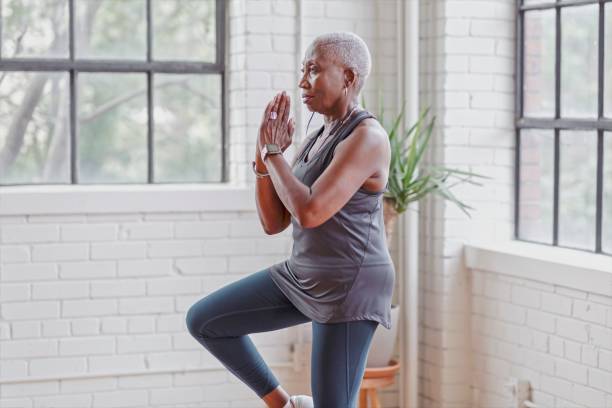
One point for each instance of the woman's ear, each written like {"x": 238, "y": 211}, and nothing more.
{"x": 349, "y": 77}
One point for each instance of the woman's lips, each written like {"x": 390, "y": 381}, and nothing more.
{"x": 306, "y": 98}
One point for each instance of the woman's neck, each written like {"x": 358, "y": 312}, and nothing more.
{"x": 332, "y": 118}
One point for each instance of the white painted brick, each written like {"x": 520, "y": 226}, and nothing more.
{"x": 14, "y": 292}
{"x": 29, "y": 233}
{"x": 55, "y": 218}
{"x": 60, "y": 290}
{"x": 116, "y": 363}
{"x": 171, "y": 286}
{"x": 86, "y": 385}
{"x": 146, "y": 305}
{"x": 589, "y": 355}
{"x": 589, "y": 311}
{"x": 556, "y": 304}
{"x": 588, "y": 396}
{"x": 266, "y": 25}
{"x": 605, "y": 359}
{"x": 469, "y": 46}
{"x": 77, "y": 308}
{"x": 147, "y": 230}
{"x": 146, "y": 381}
{"x": 123, "y": 398}
{"x": 573, "y": 351}
{"x": 118, "y": 250}
{"x": 219, "y": 247}
{"x": 26, "y": 329}
{"x": 144, "y": 267}
{"x": 571, "y": 371}
{"x": 58, "y": 366}
{"x": 541, "y": 321}
{"x": 92, "y": 232}
{"x": 171, "y": 323}
{"x": 118, "y": 288}
{"x": 572, "y": 329}
{"x": 85, "y": 346}
{"x": 141, "y": 324}
{"x": 114, "y": 325}
{"x": 202, "y": 266}
{"x": 601, "y": 336}
{"x": 556, "y": 346}
{"x": 60, "y": 252}
{"x": 257, "y": 7}
{"x": 162, "y": 249}
{"x": 85, "y": 327}
{"x": 30, "y": 389}
{"x": 87, "y": 270}
{"x": 492, "y": 28}
{"x": 28, "y": 272}
{"x": 492, "y": 65}
{"x": 205, "y": 229}
{"x": 14, "y": 253}
{"x": 601, "y": 380}
{"x": 28, "y": 349}
{"x": 456, "y": 27}
{"x": 143, "y": 343}
{"x": 55, "y": 328}
{"x": 63, "y": 401}
{"x": 573, "y": 293}
{"x": 12, "y": 369}
{"x": 557, "y": 387}
{"x": 511, "y": 313}
{"x": 526, "y": 297}
{"x": 178, "y": 395}
{"x": 30, "y": 310}
{"x": 497, "y": 289}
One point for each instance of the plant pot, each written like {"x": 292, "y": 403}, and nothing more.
{"x": 390, "y": 217}
{"x": 383, "y": 342}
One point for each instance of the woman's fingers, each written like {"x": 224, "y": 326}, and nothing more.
{"x": 268, "y": 109}
{"x": 287, "y": 109}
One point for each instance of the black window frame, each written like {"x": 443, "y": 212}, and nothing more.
{"x": 600, "y": 124}
{"x": 149, "y": 66}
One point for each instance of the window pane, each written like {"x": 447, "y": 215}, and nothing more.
{"x": 184, "y": 29}
{"x": 536, "y": 185}
{"x": 607, "y": 195}
{"x": 187, "y": 128}
{"x": 577, "y": 188}
{"x": 112, "y": 133}
{"x": 608, "y": 64}
{"x": 34, "y": 28}
{"x": 113, "y": 29}
{"x": 34, "y": 128}
{"x": 579, "y": 56}
{"x": 539, "y": 66}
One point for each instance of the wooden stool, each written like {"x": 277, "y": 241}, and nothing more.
{"x": 375, "y": 378}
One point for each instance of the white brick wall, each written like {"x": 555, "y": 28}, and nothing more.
{"x": 560, "y": 342}
{"x": 92, "y": 306}
{"x": 466, "y": 77}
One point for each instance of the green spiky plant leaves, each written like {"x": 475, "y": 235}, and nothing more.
{"x": 409, "y": 179}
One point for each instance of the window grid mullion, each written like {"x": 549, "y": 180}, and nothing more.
{"x": 150, "y": 122}
{"x": 74, "y": 171}
{"x": 555, "y": 237}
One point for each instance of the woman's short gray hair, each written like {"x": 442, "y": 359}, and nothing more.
{"x": 347, "y": 49}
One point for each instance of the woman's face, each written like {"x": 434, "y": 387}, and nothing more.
{"x": 322, "y": 82}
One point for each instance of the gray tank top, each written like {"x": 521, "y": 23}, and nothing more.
{"x": 341, "y": 270}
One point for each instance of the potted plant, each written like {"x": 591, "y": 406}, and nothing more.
{"x": 405, "y": 186}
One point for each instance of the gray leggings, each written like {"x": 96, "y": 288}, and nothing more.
{"x": 221, "y": 321}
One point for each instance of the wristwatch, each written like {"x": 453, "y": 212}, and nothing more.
{"x": 270, "y": 148}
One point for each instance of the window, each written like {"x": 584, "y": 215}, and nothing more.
{"x": 563, "y": 168}
{"x": 112, "y": 91}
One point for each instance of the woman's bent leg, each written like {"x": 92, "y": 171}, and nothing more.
{"x": 222, "y": 320}
{"x": 339, "y": 354}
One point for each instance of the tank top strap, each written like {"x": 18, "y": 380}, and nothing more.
{"x": 350, "y": 126}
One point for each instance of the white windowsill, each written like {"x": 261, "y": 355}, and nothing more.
{"x": 574, "y": 269}
{"x": 88, "y": 199}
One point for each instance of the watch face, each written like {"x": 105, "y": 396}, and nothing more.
{"x": 273, "y": 147}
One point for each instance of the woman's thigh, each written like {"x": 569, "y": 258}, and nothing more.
{"x": 249, "y": 305}
{"x": 339, "y": 354}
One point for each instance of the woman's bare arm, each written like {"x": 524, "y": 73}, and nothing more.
{"x": 273, "y": 214}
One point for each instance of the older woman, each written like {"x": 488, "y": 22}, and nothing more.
{"x": 340, "y": 275}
